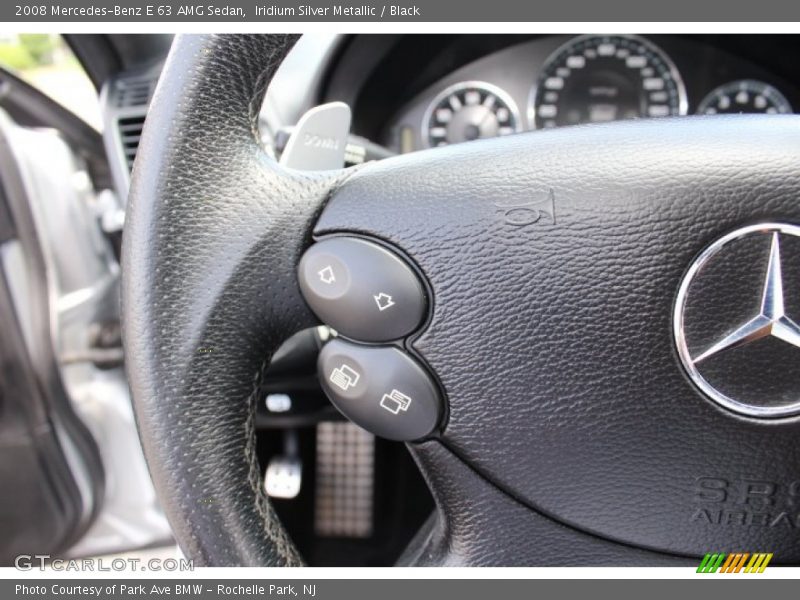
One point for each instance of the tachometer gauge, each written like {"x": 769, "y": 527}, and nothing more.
{"x": 469, "y": 111}
{"x": 600, "y": 78}
{"x": 744, "y": 96}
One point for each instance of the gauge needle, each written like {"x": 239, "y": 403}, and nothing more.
{"x": 487, "y": 113}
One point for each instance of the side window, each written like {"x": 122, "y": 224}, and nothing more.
{"x": 46, "y": 62}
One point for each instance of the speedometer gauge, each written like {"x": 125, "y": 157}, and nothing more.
{"x": 600, "y": 78}
{"x": 469, "y": 111}
{"x": 744, "y": 96}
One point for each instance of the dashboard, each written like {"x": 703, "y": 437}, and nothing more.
{"x": 446, "y": 91}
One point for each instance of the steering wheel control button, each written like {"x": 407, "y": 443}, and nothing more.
{"x": 381, "y": 389}
{"x": 361, "y": 289}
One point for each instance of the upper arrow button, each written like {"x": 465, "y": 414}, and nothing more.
{"x": 361, "y": 289}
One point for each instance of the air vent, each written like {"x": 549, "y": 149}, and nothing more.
{"x": 130, "y": 132}
{"x": 134, "y": 92}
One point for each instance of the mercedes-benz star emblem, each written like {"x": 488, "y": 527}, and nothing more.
{"x": 734, "y": 363}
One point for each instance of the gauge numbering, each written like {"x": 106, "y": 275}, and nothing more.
{"x": 469, "y": 111}
{"x": 599, "y": 78}
{"x": 744, "y": 96}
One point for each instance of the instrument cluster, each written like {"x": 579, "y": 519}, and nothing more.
{"x": 563, "y": 81}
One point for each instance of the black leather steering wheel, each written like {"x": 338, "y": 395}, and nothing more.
{"x": 573, "y": 434}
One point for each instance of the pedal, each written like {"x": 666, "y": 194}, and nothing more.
{"x": 344, "y": 481}
{"x": 284, "y": 477}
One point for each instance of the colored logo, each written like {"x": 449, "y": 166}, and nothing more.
{"x": 740, "y": 562}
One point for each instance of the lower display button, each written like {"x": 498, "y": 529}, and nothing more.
{"x": 381, "y": 389}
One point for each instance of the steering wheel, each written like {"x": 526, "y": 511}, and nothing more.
{"x": 574, "y": 428}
